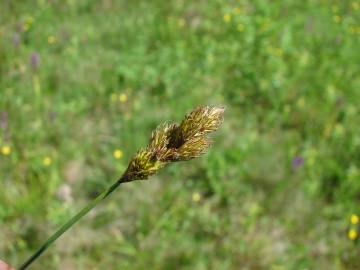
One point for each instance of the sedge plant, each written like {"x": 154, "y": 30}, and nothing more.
{"x": 169, "y": 142}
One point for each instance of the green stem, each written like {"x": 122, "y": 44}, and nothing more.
{"x": 71, "y": 222}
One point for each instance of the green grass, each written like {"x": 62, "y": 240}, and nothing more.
{"x": 288, "y": 73}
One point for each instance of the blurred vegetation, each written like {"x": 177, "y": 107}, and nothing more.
{"x": 83, "y": 83}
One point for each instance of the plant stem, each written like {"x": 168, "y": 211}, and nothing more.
{"x": 71, "y": 222}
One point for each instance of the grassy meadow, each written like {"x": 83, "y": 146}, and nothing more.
{"x": 83, "y": 84}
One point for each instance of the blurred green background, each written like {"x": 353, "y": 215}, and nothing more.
{"x": 83, "y": 83}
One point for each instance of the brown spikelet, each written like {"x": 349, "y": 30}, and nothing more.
{"x": 160, "y": 139}
{"x": 172, "y": 142}
{"x": 199, "y": 122}
{"x": 193, "y": 148}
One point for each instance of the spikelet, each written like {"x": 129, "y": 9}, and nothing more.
{"x": 172, "y": 142}
{"x": 160, "y": 139}
{"x": 199, "y": 122}
{"x": 143, "y": 165}
{"x": 193, "y": 148}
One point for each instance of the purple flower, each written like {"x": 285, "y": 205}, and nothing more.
{"x": 34, "y": 60}
{"x": 297, "y": 162}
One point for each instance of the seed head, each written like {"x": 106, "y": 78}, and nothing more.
{"x": 173, "y": 142}
{"x": 199, "y": 122}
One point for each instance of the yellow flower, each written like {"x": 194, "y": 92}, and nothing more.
{"x": 227, "y": 17}
{"x": 240, "y": 27}
{"x": 337, "y": 18}
{"x": 118, "y": 154}
{"x": 354, "y": 219}
{"x": 47, "y": 161}
{"x": 6, "y": 150}
{"x": 196, "y": 196}
{"x": 51, "y": 39}
{"x": 352, "y": 234}
{"x": 122, "y": 98}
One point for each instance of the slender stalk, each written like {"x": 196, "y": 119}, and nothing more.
{"x": 168, "y": 143}
{"x": 71, "y": 222}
